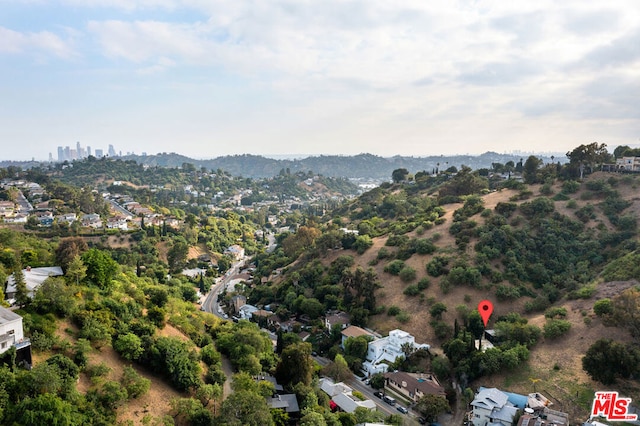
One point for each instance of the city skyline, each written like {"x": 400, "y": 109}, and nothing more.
{"x": 208, "y": 79}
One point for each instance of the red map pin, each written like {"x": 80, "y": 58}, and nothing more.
{"x": 485, "y": 308}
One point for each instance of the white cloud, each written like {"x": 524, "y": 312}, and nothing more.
{"x": 35, "y": 42}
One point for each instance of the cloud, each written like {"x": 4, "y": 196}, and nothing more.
{"x": 622, "y": 51}
{"x": 35, "y": 42}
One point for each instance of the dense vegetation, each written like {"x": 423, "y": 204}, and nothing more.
{"x": 561, "y": 232}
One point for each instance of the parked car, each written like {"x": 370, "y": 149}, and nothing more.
{"x": 422, "y": 420}
{"x": 402, "y": 409}
{"x": 378, "y": 394}
{"x": 389, "y": 400}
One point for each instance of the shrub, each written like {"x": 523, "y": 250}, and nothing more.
{"x": 393, "y": 311}
{"x": 424, "y": 246}
{"x": 384, "y": 253}
{"x": 441, "y": 329}
{"x": 570, "y": 187}
{"x": 394, "y": 267}
{"x": 437, "y": 266}
{"x": 585, "y": 292}
{"x": 555, "y": 328}
{"x": 407, "y": 274}
{"x": 507, "y": 292}
{"x": 437, "y": 310}
{"x": 555, "y": 312}
{"x": 411, "y": 290}
{"x": 403, "y": 317}
{"x": 424, "y": 283}
{"x": 603, "y": 307}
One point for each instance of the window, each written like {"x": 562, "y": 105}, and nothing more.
{"x": 4, "y": 345}
{"x": 11, "y": 332}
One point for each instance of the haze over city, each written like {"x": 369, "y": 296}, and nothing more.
{"x": 206, "y": 79}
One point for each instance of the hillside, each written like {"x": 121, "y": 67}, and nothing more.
{"x": 554, "y": 364}
{"x": 361, "y": 166}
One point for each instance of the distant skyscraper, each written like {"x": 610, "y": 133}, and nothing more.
{"x": 60, "y": 154}
{"x": 99, "y": 153}
{"x": 88, "y": 151}
{"x": 112, "y": 151}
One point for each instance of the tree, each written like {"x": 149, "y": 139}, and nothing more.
{"x": 338, "y": 370}
{"x": 45, "y": 409}
{"x": 311, "y": 418}
{"x": 101, "y": 268}
{"x": 208, "y": 392}
{"x": 246, "y": 408}
{"x": 430, "y": 406}
{"x": 135, "y": 384}
{"x": 177, "y": 254}
{"x": 399, "y": 175}
{"x": 606, "y": 360}
{"x": 76, "y": 270}
{"x": 377, "y": 381}
{"x": 626, "y": 311}
{"x": 129, "y": 346}
{"x": 530, "y": 170}
{"x": 437, "y": 310}
{"x": 54, "y": 296}
{"x": 356, "y": 347}
{"x": 296, "y": 364}
{"x": 22, "y": 294}
{"x": 588, "y": 156}
{"x": 68, "y": 249}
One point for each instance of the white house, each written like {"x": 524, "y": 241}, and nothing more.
{"x": 388, "y": 349}
{"x": 491, "y": 406}
{"x": 11, "y": 331}
{"x": 342, "y": 396}
{"x": 235, "y": 251}
{"x": 34, "y": 277}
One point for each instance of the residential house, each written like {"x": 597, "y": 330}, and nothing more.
{"x": 237, "y": 302}
{"x": 117, "y": 223}
{"x": 19, "y": 218}
{"x": 386, "y": 350}
{"x": 67, "y": 218}
{"x": 91, "y": 220}
{"x": 492, "y": 406}
{"x": 342, "y": 396}
{"x": 413, "y": 386}
{"x": 246, "y": 311}
{"x": 7, "y": 209}
{"x": 34, "y": 277}
{"x": 11, "y": 331}
{"x": 341, "y": 318}
{"x": 12, "y": 335}
{"x": 355, "y": 331}
{"x": 286, "y": 402}
{"x": 235, "y": 251}
{"x": 629, "y": 164}
{"x": 44, "y": 218}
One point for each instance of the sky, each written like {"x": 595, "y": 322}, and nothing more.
{"x": 206, "y": 78}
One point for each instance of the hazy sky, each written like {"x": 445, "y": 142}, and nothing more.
{"x": 206, "y": 78}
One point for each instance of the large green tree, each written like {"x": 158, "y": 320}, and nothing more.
{"x": 296, "y": 364}
{"x": 430, "y": 406}
{"x": 245, "y": 408}
{"x": 607, "y": 360}
{"x": 101, "y": 268}
{"x": 588, "y": 157}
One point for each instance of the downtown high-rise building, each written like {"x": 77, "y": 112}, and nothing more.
{"x": 79, "y": 152}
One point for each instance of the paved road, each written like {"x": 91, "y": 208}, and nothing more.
{"x": 210, "y": 303}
